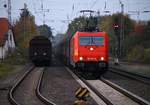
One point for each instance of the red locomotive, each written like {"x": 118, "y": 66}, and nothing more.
{"x": 89, "y": 51}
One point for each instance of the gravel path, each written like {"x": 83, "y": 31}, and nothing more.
{"x": 131, "y": 85}
{"x": 59, "y": 86}
{"x": 135, "y": 68}
{"x": 25, "y": 94}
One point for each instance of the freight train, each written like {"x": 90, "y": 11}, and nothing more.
{"x": 85, "y": 51}
{"x": 40, "y": 51}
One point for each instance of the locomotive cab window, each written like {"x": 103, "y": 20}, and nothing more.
{"x": 85, "y": 41}
{"x": 97, "y": 41}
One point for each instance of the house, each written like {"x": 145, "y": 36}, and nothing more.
{"x": 7, "y": 43}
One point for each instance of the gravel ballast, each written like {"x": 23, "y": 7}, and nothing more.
{"x": 59, "y": 86}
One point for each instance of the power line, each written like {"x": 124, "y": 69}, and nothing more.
{"x": 34, "y": 5}
{"x": 138, "y": 13}
{"x": 121, "y": 30}
{"x": 43, "y": 11}
{"x": 145, "y": 7}
{"x": 93, "y": 4}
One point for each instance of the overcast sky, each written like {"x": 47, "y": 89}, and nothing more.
{"x": 59, "y": 10}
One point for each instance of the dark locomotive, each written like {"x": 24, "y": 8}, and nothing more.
{"x": 40, "y": 51}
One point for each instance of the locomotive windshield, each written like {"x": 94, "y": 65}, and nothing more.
{"x": 91, "y": 40}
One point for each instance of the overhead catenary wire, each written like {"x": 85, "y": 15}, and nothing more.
{"x": 34, "y": 6}
{"x": 93, "y": 4}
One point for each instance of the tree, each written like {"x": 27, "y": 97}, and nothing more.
{"x": 82, "y": 24}
{"x": 45, "y": 30}
{"x": 108, "y": 24}
{"x": 24, "y": 29}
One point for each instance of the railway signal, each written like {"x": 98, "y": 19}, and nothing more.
{"x": 116, "y": 28}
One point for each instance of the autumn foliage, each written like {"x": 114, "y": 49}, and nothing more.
{"x": 24, "y": 30}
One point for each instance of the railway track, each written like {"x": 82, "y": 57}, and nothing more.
{"x": 132, "y": 96}
{"x": 41, "y": 97}
{"x": 110, "y": 93}
{"x": 27, "y": 90}
{"x": 131, "y": 85}
{"x": 109, "y": 96}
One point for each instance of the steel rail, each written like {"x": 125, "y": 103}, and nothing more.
{"x": 38, "y": 93}
{"x": 13, "y": 89}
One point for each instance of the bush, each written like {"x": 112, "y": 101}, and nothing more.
{"x": 15, "y": 58}
{"x": 136, "y": 54}
{"x": 146, "y": 55}
{"x": 5, "y": 69}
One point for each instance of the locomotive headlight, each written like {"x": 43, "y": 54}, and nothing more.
{"x": 102, "y": 58}
{"x": 44, "y": 53}
{"x": 35, "y": 53}
{"x": 91, "y": 48}
{"x": 81, "y": 58}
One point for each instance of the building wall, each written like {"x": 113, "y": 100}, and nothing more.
{"x": 3, "y": 51}
{"x": 10, "y": 40}
{"x": 9, "y": 45}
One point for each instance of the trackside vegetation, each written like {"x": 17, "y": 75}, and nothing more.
{"x": 24, "y": 29}
{"x": 9, "y": 64}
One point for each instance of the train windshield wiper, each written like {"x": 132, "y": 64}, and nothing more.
{"x": 93, "y": 41}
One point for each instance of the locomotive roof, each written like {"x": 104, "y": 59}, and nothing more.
{"x": 90, "y": 33}
{"x": 40, "y": 39}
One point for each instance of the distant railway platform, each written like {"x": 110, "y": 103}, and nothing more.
{"x": 135, "y": 68}
{"x": 131, "y": 76}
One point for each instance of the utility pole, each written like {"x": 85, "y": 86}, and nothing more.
{"x": 121, "y": 29}
{"x": 24, "y": 11}
{"x": 98, "y": 19}
{"x": 43, "y": 11}
{"x": 9, "y": 12}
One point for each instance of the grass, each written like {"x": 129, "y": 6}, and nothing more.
{"x": 5, "y": 69}
{"x": 9, "y": 64}
{"x": 16, "y": 59}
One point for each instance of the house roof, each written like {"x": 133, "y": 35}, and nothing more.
{"x": 4, "y": 27}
